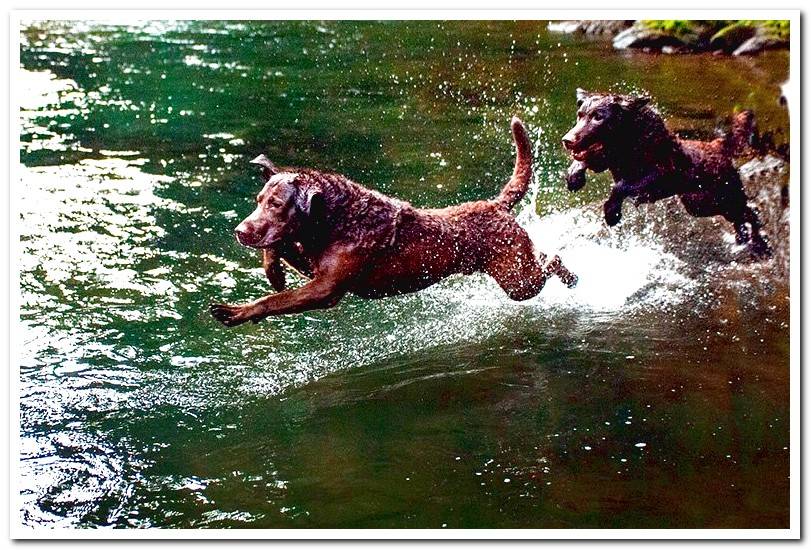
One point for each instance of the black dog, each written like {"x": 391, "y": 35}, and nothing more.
{"x": 624, "y": 135}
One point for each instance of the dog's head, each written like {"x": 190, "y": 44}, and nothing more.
{"x": 283, "y": 207}
{"x": 600, "y": 117}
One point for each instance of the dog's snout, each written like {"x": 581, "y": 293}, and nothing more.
{"x": 242, "y": 234}
{"x": 569, "y": 139}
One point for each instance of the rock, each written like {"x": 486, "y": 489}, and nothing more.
{"x": 683, "y": 36}
{"x": 760, "y": 43}
{"x": 606, "y": 27}
{"x": 643, "y": 37}
{"x": 591, "y": 27}
{"x": 674, "y": 49}
{"x": 565, "y": 27}
{"x": 732, "y": 36}
{"x": 763, "y": 166}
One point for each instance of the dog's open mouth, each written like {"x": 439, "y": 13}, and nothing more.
{"x": 582, "y": 155}
{"x": 264, "y": 242}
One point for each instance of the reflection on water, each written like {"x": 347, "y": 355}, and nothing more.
{"x": 655, "y": 394}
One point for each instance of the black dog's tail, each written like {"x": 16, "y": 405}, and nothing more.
{"x": 742, "y": 138}
{"x": 517, "y": 187}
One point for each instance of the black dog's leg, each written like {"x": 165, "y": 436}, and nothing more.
{"x": 576, "y": 175}
{"x": 741, "y": 232}
{"x": 612, "y": 209}
{"x": 759, "y": 247}
{"x": 757, "y": 244}
{"x": 623, "y": 189}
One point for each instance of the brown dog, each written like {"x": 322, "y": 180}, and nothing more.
{"x": 624, "y": 135}
{"x": 347, "y": 238}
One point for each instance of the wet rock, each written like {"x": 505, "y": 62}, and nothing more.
{"x": 565, "y": 27}
{"x": 766, "y": 182}
{"x": 674, "y": 49}
{"x": 731, "y": 37}
{"x": 759, "y": 167}
{"x": 760, "y": 43}
{"x": 590, "y": 27}
{"x": 643, "y": 37}
{"x": 683, "y": 36}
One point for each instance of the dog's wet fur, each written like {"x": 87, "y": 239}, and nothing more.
{"x": 624, "y": 135}
{"x": 346, "y": 238}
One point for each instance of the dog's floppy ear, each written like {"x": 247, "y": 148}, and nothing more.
{"x": 581, "y": 95}
{"x": 637, "y": 102}
{"x": 311, "y": 202}
{"x": 268, "y": 168}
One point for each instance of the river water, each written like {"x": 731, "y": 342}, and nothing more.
{"x": 655, "y": 394}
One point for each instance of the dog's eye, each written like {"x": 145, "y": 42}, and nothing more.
{"x": 597, "y": 117}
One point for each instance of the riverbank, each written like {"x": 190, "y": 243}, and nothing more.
{"x": 744, "y": 37}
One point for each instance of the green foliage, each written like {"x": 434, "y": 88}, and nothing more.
{"x": 682, "y": 28}
{"x": 779, "y": 28}
{"x": 685, "y": 27}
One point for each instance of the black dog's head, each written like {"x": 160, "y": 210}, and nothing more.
{"x": 282, "y": 209}
{"x": 600, "y": 118}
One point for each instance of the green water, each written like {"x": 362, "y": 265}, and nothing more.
{"x": 654, "y": 395}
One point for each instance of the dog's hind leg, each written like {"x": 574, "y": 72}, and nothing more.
{"x": 758, "y": 244}
{"x": 741, "y": 232}
{"x": 739, "y": 224}
{"x": 520, "y": 274}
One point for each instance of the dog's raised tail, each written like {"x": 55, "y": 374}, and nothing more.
{"x": 742, "y": 138}
{"x": 517, "y": 187}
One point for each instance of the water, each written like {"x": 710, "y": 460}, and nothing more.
{"x": 653, "y": 395}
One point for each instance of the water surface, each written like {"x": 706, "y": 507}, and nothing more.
{"x": 653, "y": 395}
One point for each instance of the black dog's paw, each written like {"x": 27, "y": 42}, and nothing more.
{"x": 229, "y": 316}
{"x": 760, "y": 249}
{"x": 641, "y": 199}
{"x": 613, "y": 213}
{"x": 741, "y": 235}
{"x": 576, "y": 176}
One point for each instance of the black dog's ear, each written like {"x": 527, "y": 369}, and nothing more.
{"x": 268, "y": 168}
{"x": 636, "y": 103}
{"x": 311, "y": 203}
{"x": 581, "y": 95}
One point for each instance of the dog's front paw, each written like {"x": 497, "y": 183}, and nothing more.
{"x": 613, "y": 213}
{"x": 230, "y": 316}
{"x": 576, "y": 176}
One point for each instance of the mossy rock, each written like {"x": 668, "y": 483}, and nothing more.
{"x": 730, "y": 37}
{"x": 774, "y": 28}
{"x": 760, "y": 43}
{"x": 682, "y": 34}
{"x": 641, "y": 37}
